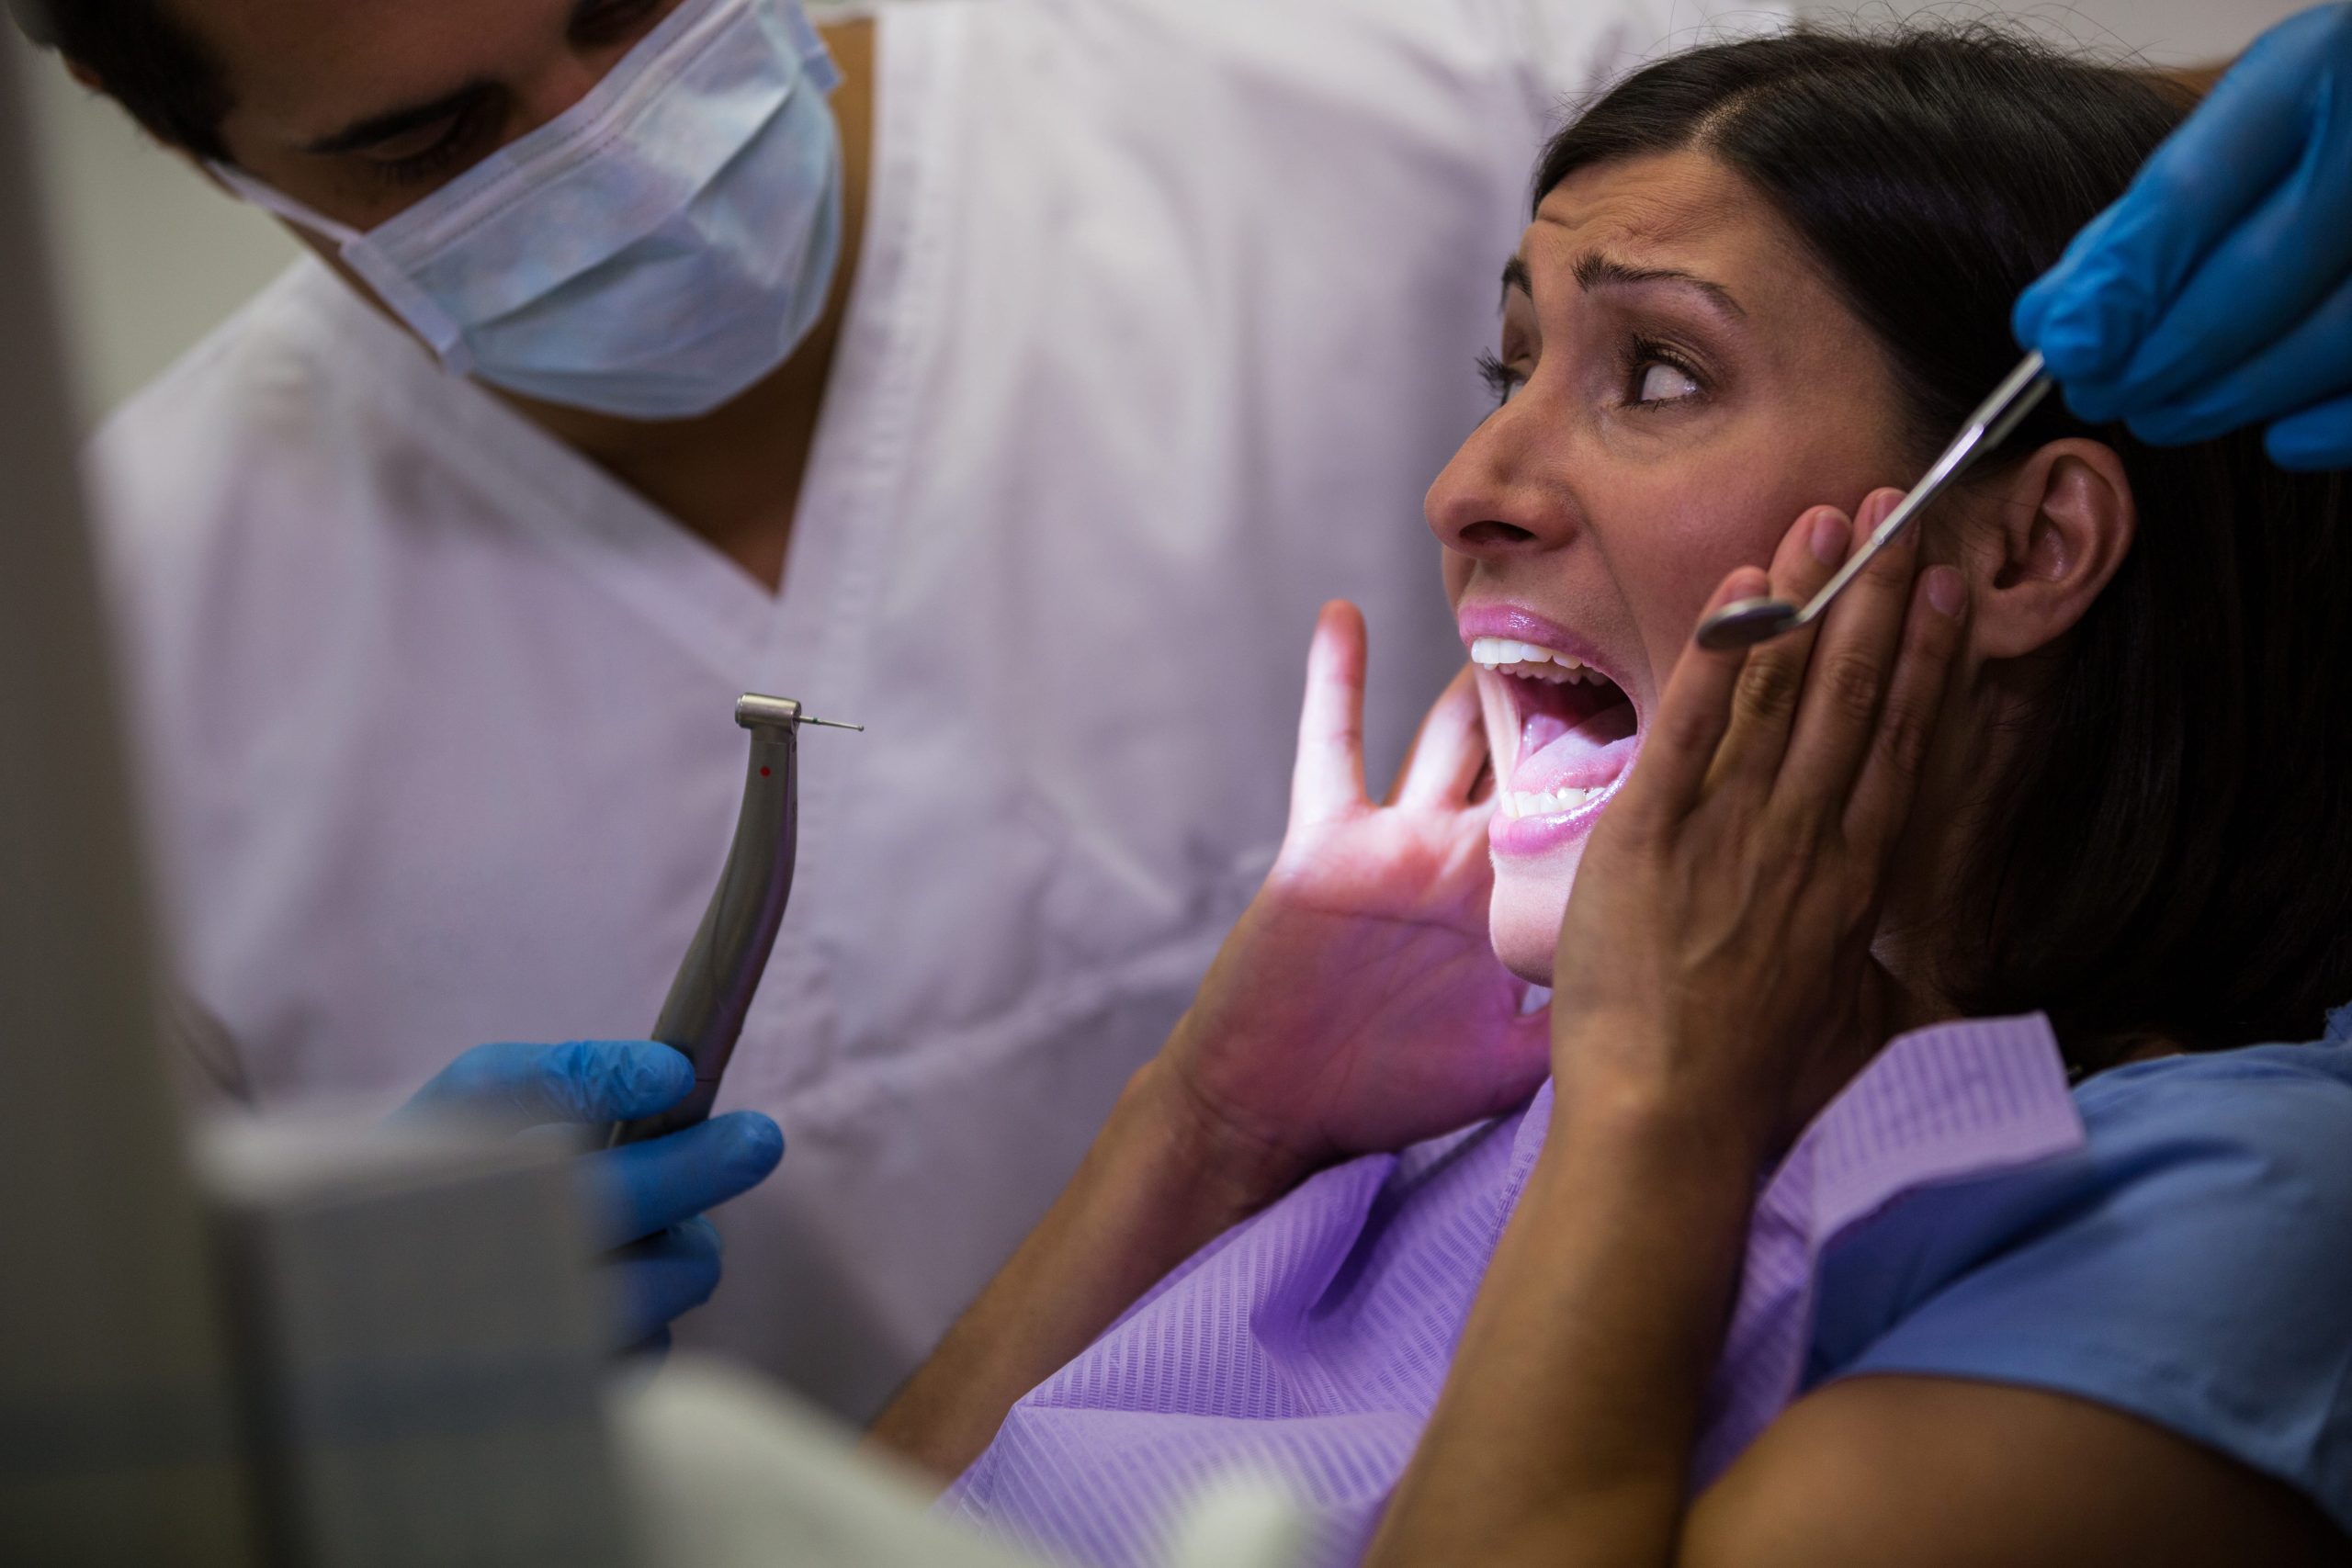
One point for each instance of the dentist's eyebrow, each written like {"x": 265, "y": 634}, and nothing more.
{"x": 362, "y": 134}
{"x": 378, "y": 128}
{"x": 1594, "y": 271}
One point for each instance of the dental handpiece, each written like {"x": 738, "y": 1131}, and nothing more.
{"x": 704, "y": 1013}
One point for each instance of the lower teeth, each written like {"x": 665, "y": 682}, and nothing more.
{"x": 1551, "y": 803}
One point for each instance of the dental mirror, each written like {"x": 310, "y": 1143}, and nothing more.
{"x": 1744, "y": 623}
{"x": 1748, "y": 622}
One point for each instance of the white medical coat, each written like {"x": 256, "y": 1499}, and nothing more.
{"x": 1165, "y": 319}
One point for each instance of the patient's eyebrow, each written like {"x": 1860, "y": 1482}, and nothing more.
{"x": 1594, "y": 270}
{"x": 1515, "y": 276}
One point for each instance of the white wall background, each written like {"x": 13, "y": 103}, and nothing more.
{"x": 152, "y": 256}
{"x": 147, "y": 255}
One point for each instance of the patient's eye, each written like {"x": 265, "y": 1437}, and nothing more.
{"x": 1664, "y": 383}
{"x": 1499, "y": 377}
{"x": 1657, "y": 374}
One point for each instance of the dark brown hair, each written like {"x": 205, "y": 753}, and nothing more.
{"x": 147, "y": 60}
{"x": 2172, "y": 859}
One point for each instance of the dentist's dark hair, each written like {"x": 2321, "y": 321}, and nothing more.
{"x": 2171, "y": 860}
{"x": 144, "y": 58}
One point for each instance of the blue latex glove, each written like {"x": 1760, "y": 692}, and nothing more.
{"x": 645, "y": 1201}
{"x": 2217, "y": 293}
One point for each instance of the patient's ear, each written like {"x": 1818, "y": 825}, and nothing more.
{"x": 2047, "y": 548}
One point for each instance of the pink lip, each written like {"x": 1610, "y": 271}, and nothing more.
{"x": 1526, "y": 836}
{"x": 1526, "y": 625}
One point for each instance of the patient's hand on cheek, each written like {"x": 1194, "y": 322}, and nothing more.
{"x": 1358, "y": 1005}
{"x": 1716, "y": 953}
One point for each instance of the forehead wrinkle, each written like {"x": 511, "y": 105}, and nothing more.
{"x": 1634, "y": 216}
{"x": 1696, "y": 228}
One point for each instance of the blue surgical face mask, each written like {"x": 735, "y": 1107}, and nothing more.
{"x": 652, "y": 251}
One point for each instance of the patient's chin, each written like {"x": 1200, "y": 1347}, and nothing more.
{"x": 1524, "y": 922}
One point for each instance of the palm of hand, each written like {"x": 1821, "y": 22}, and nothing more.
{"x": 1358, "y": 1005}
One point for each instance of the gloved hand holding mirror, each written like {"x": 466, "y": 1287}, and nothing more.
{"x": 2216, "y": 292}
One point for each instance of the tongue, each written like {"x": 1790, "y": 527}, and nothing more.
{"x": 1586, "y": 753}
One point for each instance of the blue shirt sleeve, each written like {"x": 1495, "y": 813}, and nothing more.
{"x": 2191, "y": 1265}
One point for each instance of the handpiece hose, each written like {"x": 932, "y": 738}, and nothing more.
{"x": 703, "y": 1016}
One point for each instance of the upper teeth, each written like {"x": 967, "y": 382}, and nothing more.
{"x": 1542, "y": 664}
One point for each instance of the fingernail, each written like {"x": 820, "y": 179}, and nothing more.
{"x": 1946, "y": 591}
{"x": 1828, "y": 541}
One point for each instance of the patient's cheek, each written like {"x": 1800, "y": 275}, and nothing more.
{"x": 1454, "y": 570}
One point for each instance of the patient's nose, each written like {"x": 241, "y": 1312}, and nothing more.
{"x": 1494, "y": 499}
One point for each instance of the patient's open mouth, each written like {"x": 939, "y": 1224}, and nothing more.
{"x": 1577, "y": 729}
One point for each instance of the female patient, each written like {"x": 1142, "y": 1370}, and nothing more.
{"x": 1783, "y": 1237}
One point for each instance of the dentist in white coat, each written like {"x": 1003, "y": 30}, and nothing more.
{"x": 1013, "y": 377}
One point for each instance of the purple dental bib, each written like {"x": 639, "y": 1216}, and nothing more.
{"x": 1308, "y": 1344}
